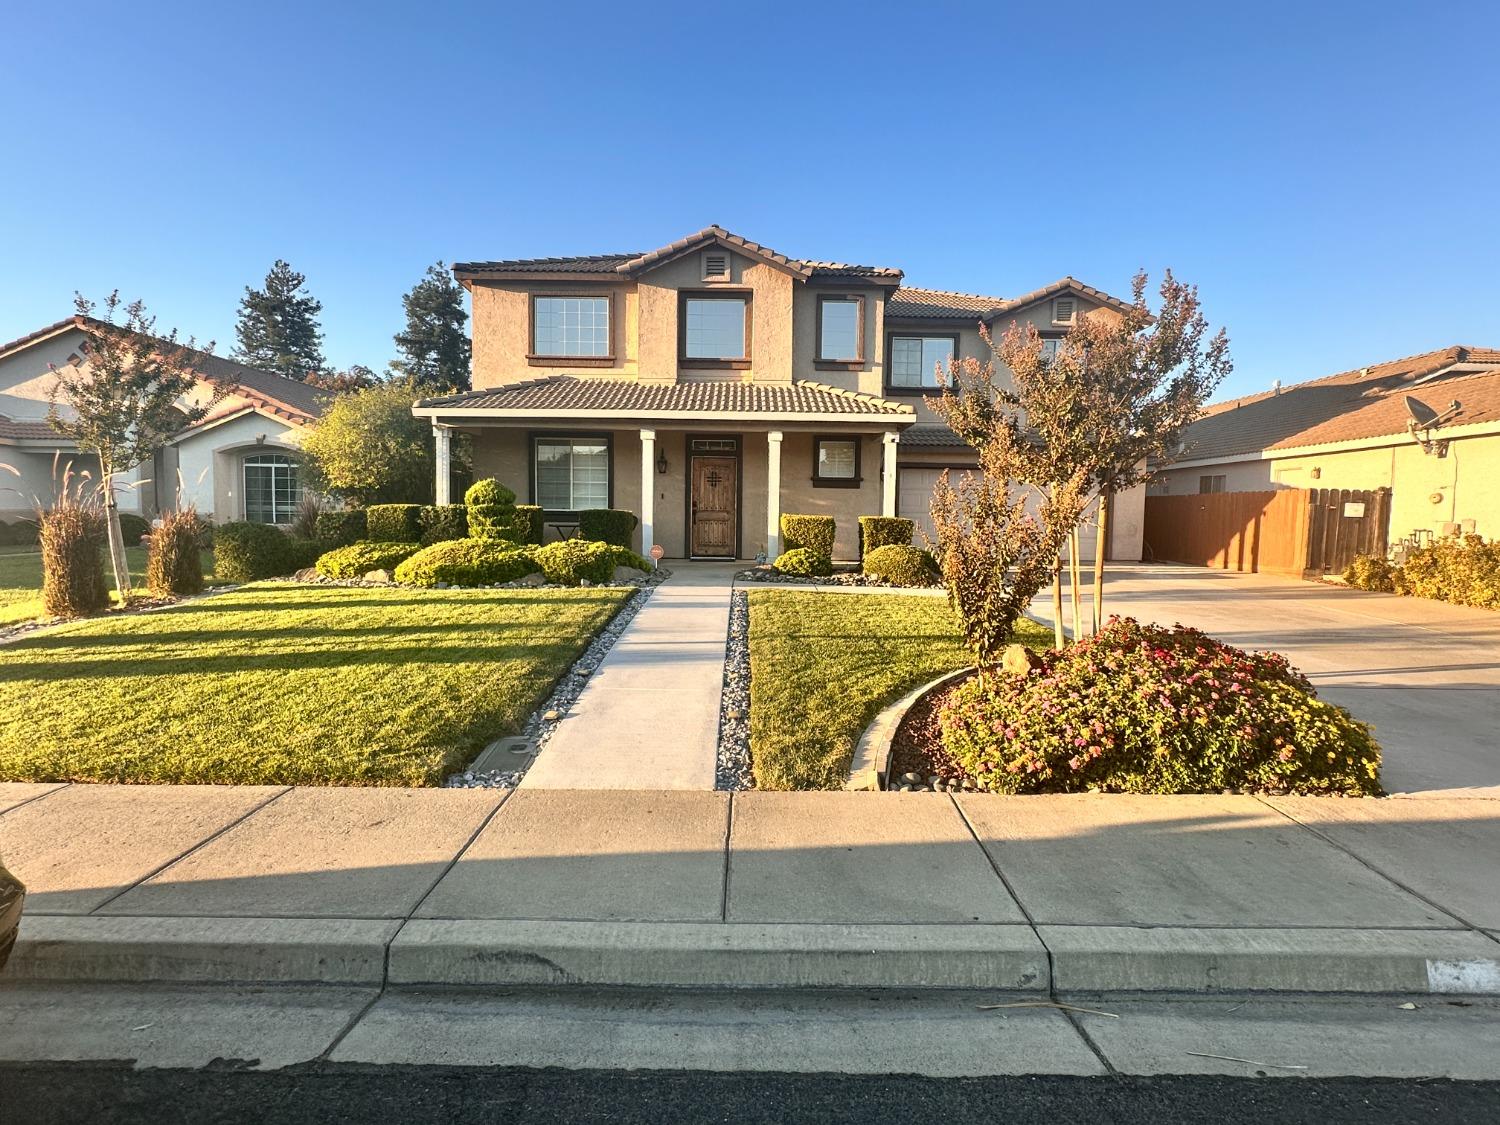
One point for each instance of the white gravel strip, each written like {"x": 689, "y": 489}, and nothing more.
{"x": 732, "y": 771}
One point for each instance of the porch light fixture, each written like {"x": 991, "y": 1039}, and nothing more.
{"x": 661, "y": 462}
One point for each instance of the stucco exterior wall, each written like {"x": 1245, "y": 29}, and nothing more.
{"x": 501, "y": 331}
{"x": 805, "y": 337}
{"x": 211, "y": 462}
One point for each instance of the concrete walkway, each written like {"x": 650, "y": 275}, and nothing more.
{"x": 418, "y": 887}
{"x": 649, "y": 717}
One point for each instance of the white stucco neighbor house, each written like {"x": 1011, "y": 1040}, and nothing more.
{"x": 241, "y": 462}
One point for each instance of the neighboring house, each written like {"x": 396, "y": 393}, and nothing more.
{"x": 1427, "y": 427}
{"x": 713, "y": 384}
{"x": 239, "y": 462}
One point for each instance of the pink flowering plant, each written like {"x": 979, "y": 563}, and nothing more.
{"x": 1146, "y": 709}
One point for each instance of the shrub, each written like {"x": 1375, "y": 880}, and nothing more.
{"x": 22, "y": 533}
{"x": 815, "y": 533}
{"x": 527, "y": 523}
{"x": 1371, "y": 572}
{"x": 571, "y": 561}
{"x": 71, "y": 537}
{"x": 492, "y": 513}
{"x": 174, "y": 559}
{"x": 358, "y": 559}
{"x": 884, "y": 531}
{"x": 804, "y": 562}
{"x": 248, "y": 552}
{"x": 1464, "y": 571}
{"x": 902, "y": 565}
{"x": 607, "y": 525}
{"x": 342, "y": 527}
{"x": 441, "y": 522}
{"x": 490, "y": 491}
{"x": 467, "y": 562}
{"x": 1145, "y": 709}
{"x": 394, "y": 523}
{"x": 133, "y": 528}
{"x": 624, "y": 556}
{"x": 304, "y": 523}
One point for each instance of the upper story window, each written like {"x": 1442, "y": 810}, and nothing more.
{"x": 715, "y": 329}
{"x": 1049, "y": 348}
{"x": 570, "y": 326}
{"x": 841, "y": 329}
{"x": 914, "y": 360}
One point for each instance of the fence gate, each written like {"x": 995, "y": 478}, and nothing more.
{"x": 1342, "y": 523}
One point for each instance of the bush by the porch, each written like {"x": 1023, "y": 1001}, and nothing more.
{"x": 394, "y": 523}
{"x": 527, "y": 523}
{"x": 570, "y": 562}
{"x": 803, "y": 563}
{"x": 467, "y": 562}
{"x": 248, "y": 552}
{"x": 491, "y": 510}
{"x": 358, "y": 559}
{"x": 440, "y": 522}
{"x": 1145, "y": 709}
{"x": 884, "y": 531}
{"x": 340, "y": 527}
{"x": 814, "y": 533}
{"x": 608, "y": 525}
{"x": 902, "y": 565}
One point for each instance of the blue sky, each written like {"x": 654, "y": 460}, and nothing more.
{"x": 1327, "y": 174}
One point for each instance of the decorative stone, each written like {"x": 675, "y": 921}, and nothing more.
{"x": 628, "y": 574}
{"x": 736, "y": 714}
{"x": 584, "y": 582}
{"x": 912, "y": 778}
{"x": 552, "y": 715}
{"x": 537, "y": 579}
{"x": 1018, "y": 660}
{"x": 377, "y": 576}
{"x": 306, "y": 574}
{"x": 440, "y": 585}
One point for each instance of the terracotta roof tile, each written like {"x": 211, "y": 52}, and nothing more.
{"x": 933, "y": 435}
{"x": 27, "y": 430}
{"x": 914, "y": 303}
{"x": 570, "y": 392}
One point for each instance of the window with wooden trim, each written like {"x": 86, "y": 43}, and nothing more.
{"x": 836, "y": 462}
{"x": 715, "y": 327}
{"x": 841, "y": 328}
{"x": 914, "y": 360}
{"x": 572, "y": 473}
{"x": 570, "y": 326}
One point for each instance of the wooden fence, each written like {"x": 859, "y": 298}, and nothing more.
{"x": 1296, "y": 532}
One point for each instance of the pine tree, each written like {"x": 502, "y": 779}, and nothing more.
{"x": 278, "y": 328}
{"x": 434, "y": 347}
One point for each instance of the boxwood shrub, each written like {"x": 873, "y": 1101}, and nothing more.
{"x": 1371, "y": 572}
{"x": 489, "y": 491}
{"x": 815, "y": 533}
{"x": 248, "y": 552}
{"x": 440, "y": 522}
{"x": 340, "y": 527}
{"x": 1146, "y": 709}
{"x": 902, "y": 565}
{"x": 527, "y": 524}
{"x": 393, "y": 523}
{"x": 607, "y": 525}
{"x": 467, "y": 562}
{"x": 358, "y": 559}
{"x": 133, "y": 528}
{"x": 1462, "y": 570}
{"x": 884, "y": 531}
{"x": 804, "y": 563}
{"x": 570, "y": 561}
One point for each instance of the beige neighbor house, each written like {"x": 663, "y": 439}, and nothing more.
{"x": 1427, "y": 427}
{"x": 239, "y": 463}
{"x": 713, "y": 384}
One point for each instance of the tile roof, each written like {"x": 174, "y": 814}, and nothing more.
{"x": 1365, "y": 403}
{"x": 934, "y": 435}
{"x": 622, "y": 396}
{"x": 27, "y": 430}
{"x": 915, "y": 303}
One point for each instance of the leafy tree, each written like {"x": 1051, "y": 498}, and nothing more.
{"x": 368, "y": 449}
{"x": 277, "y": 329}
{"x": 434, "y": 346}
{"x": 357, "y": 378}
{"x": 126, "y": 399}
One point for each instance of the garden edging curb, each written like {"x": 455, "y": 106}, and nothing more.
{"x": 870, "y": 768}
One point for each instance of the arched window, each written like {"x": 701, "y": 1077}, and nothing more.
{"x": 273, "y": 488}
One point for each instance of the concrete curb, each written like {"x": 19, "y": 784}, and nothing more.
{"x": 870, "y": 767}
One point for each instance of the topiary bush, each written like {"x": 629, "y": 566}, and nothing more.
{"x": 393, "y": 523}
{"x": 902, "y": 565}
{"x": 358, "y": 559}
{"x": 467, "y": 562}
{"x": 440, "y": 522}
{"x": 174, "y": 559}
{"x": 1463, "y": 570}
{"x": 884, "y": 531}
{"x": 804, "y": 563}
{"x": 1371, "y": 572}
{"x": 340, "y": 528}
{"x": 248, "y": 552}
{"x": 571, "y": 561}
{"x": 607, "y": 525}
{"x": 488, "y": 492}
{"x": 492, "y": 511}
{"x": 814, "y": 533}
{"x": 133, "y": 528}
{"x": 72, "y": 537}
{"x": 1146, "y": 709}
{"x": 527, "y": 524}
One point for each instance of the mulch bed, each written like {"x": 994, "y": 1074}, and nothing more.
{"x": 918, "y": 744}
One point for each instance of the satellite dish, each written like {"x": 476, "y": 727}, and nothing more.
{"x": 1423, "y": 417}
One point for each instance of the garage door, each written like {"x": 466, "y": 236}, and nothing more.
{"x": 914, "y": 501}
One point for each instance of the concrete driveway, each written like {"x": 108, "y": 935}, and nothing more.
{"x": 1425, "y": 674}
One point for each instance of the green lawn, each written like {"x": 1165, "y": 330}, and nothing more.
{"x": 289, "y": 684}
{"x": 21, "y": 580}
{"x": 823, "y": 665}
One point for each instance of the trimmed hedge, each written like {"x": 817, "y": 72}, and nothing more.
{"x": 528, "y": 523}
{"x": 1371, "y": 572}
{"x": 884, "y": 531}
{"x": 174, "y": 559}
{"x": 393, "y": 523}
{"x": 804, "y": 563}
{"x": 358, "y": 559}
{"x": 814, "y": 533}
{"x": 1461, "y": 570}
{"x": 441, "y": 522}
{"x": 1145, "y": 709}
{"x": 902, "y": 565}
{"x": 341, "y": 527}
{"x": 467, "y": 562}
{"x": 607, "y": 525}
{"x": 133, "y": 528}
{"x": 22, "y": 533}
{"x": 489, "y": 491}
{"x": 248, "y": 552}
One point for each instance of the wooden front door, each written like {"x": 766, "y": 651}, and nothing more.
{"x": 714, "y": 508}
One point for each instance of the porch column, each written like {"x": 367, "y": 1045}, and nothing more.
{"x": 648, "y": 491}
{"x": 773, "y": 495}
{"x": 442, "y": 439}
{"x": 888, "y": 475}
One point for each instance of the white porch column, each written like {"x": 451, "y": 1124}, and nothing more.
{"x": 888, "y": 476}
{"x": 443, "y": 440}
{"x": 648, "y": 491}
{"x": 773, "y": 495}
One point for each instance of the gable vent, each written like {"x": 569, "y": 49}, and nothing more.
{"x": 715, "y": 266}
{"x": 1063, "y": 310}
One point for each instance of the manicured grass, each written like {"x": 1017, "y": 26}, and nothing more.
{"x": 21, "y": 580}
{"x": 289, "y": 684}
{"x": 823, "y": 665}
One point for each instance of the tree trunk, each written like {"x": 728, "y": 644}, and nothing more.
{"x": 1057, "y": 606}
{"x": 1074, "y": 575}
{"x": 1101, "y": 542}
{"x": 116, "y": 539}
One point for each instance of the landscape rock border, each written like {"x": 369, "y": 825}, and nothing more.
{"x": 871, "y": 766}
{"x": 732, "y": 771}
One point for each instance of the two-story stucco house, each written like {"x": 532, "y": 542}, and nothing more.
{"x": 712, "y": 384}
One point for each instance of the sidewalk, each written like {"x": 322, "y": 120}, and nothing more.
{"x": 649, "y": 717}
{"x": 700, "y": 889}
